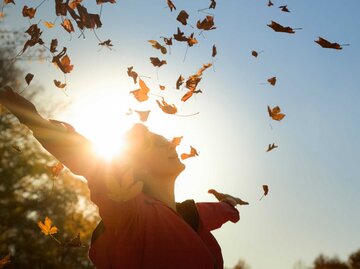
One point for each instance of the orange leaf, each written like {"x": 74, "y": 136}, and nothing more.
{"x": 192, "y": 153}
{"x": 28, "y": 12}
{"x": 191, "y": 40}
{"x": 170, "y": 5}
{"x": 59, "y": 84}
{"x": 68, "y": 26}
{"x": 8, "y": 2}
{"x": 46, "y": 227}
{"x": 169, "y": 109}
{"x": 187, "y": 96}
{"x": 132, "y": 74}
{"x": 49, "y": 24}
{"x": 161, "y": 87}
{"x": 272, "y": 81}
{"x": 56, "y": 169}
{"x": 176, "y": 140}
{"x": 143, "y": 115}
{"x": 142, "y": 93}
{"x": 63, "y": 61}
{"x": 73, "y": 4}
{"x": 275, "y": 114}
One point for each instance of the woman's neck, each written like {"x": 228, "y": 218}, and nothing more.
{"x": 162, "y": 190}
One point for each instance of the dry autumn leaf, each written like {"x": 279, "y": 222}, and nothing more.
{"x": 271, "y": 147}
{"x": 143, "y": 115}
{"x": 279, "y": 28}
{"x": 59, "y": 84}
{"x": 132, "y": 74}
{"x": 212, "y": 4}
{"x": 28, "y": 12}
{"x": 162, "y": 87}
{"x": 28, "y": 78}
{"x": 105, "y": 1}
{"x": 156, "y": 61}
{"x": 284, "y": 8}
{"x": 106, "y": 43}
{"x": 179, "y": 36}
{"x": 272, "y": 81}
{"x": 191, "y": 40}
{"x": 182, "y": 17}
{"x": 254, "y": 53}
{"x": 5, "y": 260}
{"x": 35, "y": 34}
{"x": 73, "y": 4}
{"x": 176, "y": 140}
{"x": 46, "y": 227}
{"x": 167, "y": 108}
{"x": 206, "y": 24}
{"x": 214, "y": 51}
{"x": 55, "y": 169}
{"x": 179, "y": 82}
{"x": 170, "y": 5}
{"x": 142, "y": 93}
{"x": 49, "y": 24}
{"x": 266, "y": 191}
{"x": 68, "y": 26}
{"x": 193, "y": 153}
{"x": 329, "y": 45}
{"x": 275, "y": 114}
{"x": 223, "y": 196}
{"x": 62, "y": 60}
{"x": 167, "y": 41}
{"x": 53, "y": 45}
{"x": 157, "y": 45}
{"x": 270, "y": 3}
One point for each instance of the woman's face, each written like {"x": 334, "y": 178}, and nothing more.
{"x": 161, "y": 159}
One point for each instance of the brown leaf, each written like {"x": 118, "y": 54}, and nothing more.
{"x": 132, "y": 74}
{"x": 53, "y": 45}
{"x": 73, "y": 4}
{"x": 266, "y": 191}
{"x": 284, "y": 8}
{"x": 275, "y": 114}
{"x": 156, "y": 61}
{"x": 142, "y": 93}
{"x": 59, "y": 84}
{"x": 85, "y": 19}
{"x": 106, "y": 43}
{"x": 270, "y": 3}
{"x": 254, "y": 53}
{"x": 168, "y": 41}
{"x": 222, "y": 196}
{"x": 279, "y": 28}
{"x": 28, "y": 78}
{"x": 28, "y": 12}
{"x": 68, "y": 26}
{"x": 271, "y": 147}
{"x": 187, "y": 95}
{"x": 143, "y": 115}
{"x": 167, "y": 108}
{"x": 35, "y": 34}
{"x": 6, "y": 259}
{"x": 193, "y": 153}
{"x": 63, "y": 61}
{"x": 179, "y": 36}
{"x": 157, "y": 45}
{"x": 191, "y": 40}
{"x": 179, "y": 82}
{"x": 182, "y": 17}
{"x": 272, "y": 81}
{"x": 170, "y": 5}
{"x": 328, "y": 45}
{"x": 9, "y": 1}
{"x": 214, "y": 51}
{"x": 105, "y": 1}
{"x": 206, "y": 24}
{"x": 162, "y": 87}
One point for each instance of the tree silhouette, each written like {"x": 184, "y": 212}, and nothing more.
{"x": 323, "y": 262}
{"x": 354, "y": 260}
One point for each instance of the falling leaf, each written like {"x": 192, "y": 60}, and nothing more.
{"x": 106, "y": 43}
{"x": 168, "y": 41}
{"x": 63, "y": 61}
{"x": 279, "y": 28}
{"x": 5, "y": 260}
{"x": 167, "y": 108}
{"x": 214, "y": 51}
{"x": 68, "y": 26}
{"x": 156, "y": 61}
{"x": 105, "y": 1}
{"x": 275, "y": 114}
{"x": 179, "y": 82}
{"x": 73, "y": 4}
{"x": 192, "y": 153}
{"x": 272, "y": 81}
{"x": 56, "y": 169}
{"x": 157, "y": 45}
{"x": 270, "y": 3}
{"x": 85, "y": 19}
{"x": 212, "y": 4}
{"x": 254, "y": 53}
{"x": 28, "y": 12}
{"x": 162, "y": 87}
{"x": 170, "y": 5}
{"x": 142, "y": 93}
{"x": 266, "y": 191}
{"x": 284, "y": 8}
{"x": 206, "y": 24}
{"x": 53, "y": 45}
{"x": 223, "y": 196}
{"x": 326, "y": 44}
{"x": 74, "y": 242}
{"x": 59, "y": 84}
{"x": 49, "y": 24}
{"x": 182, "y": 17}
{"x": 9, "y": 1}
{"x": 132, "y": 74}
{"x": 28, "y": 78}
{"x": 143, "y": 115}
{"x": 179, "y": 36}
{"x": 46, "y": 227}
{"x": 60, "y": 8}
{"x": 271, "y": 147}
{"x": 35, "y": 34}
{"x": 176, "y": 140}
{"x": 193, "y": 81}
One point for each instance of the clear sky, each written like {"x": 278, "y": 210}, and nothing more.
{"x": 314, "y": 179}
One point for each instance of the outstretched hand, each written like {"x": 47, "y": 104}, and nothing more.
{"x": 16, "y": 104}
{"x": 223, "y": 197}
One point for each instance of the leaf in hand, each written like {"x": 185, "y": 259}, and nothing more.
{"x": 157, "y": 45}
{"x": 142, "y": 93}
{"x": 167, "y": 108}
{"x": 193, "y": 153}
{"x": 156, "y": 61}
{"x": 46, "y": 226}
{"x": 59, "y": 84}
{"x": 275, "y": 114}
{"x": 28, "y": 78}
{"x": 28, "y": 12}
{"x": 266, "y": 191}
{"x": 182, "y": 17}
{"x": 132, "y": 74}
{"x": 223, "y": 196}
{"x": 271, "y": 147}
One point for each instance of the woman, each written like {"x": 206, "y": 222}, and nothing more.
{"x": 142, "y": 226}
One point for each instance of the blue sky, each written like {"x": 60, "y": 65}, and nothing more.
{"x": 313, "y": 176}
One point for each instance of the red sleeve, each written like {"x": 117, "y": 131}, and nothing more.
{"x": 214, "y": 215}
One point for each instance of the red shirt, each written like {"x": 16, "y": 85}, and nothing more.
{"x": 142, "y": 232}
